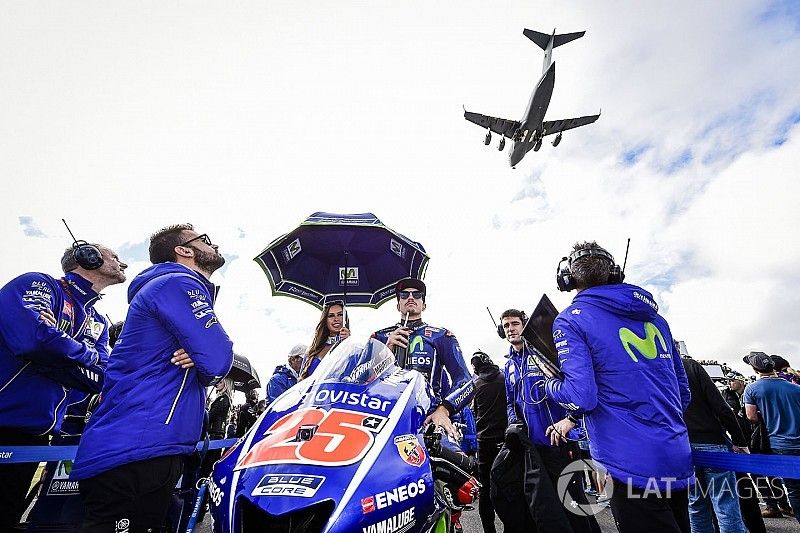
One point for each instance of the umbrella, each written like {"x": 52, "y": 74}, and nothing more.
{"x": 354, "y": 258}
{"x": 243, "y": 374}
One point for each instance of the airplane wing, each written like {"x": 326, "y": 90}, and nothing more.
{"x": 557, "y": 126}
{"x": 501, "y": 126}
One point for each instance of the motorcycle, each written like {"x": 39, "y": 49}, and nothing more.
{"x": 342, "y": 451}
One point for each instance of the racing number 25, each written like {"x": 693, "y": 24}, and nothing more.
{"x": 343, "y": 437}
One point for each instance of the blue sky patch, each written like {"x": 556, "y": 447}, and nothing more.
{"x": 783, "y": 129}
{"x": 30, "y": 228}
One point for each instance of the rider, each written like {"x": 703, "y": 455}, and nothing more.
{"x": 431, "y": 351}
{"x": 435, "y": 353}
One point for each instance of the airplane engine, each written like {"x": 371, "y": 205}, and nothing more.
{"x": 557, "y": 140}
{"x": 488, "y": 138}
{"x": 502, "y": 144}
{"x": 537, "y": 145}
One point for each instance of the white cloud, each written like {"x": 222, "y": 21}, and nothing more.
{"x": 246, "y": 118}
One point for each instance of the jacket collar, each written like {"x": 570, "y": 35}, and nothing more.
{"x": 213, "y": 290}
{"x": 513, "y": 354}
{"x": 80, "y": 288}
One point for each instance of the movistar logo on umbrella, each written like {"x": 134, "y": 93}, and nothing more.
{"x": 398, "y": 249}
{"x": 292, "y": 250}
{"x": 351, "y": 277}
{"x": 646, "y": 345}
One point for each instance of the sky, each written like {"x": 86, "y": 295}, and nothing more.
{"x": 244, "y": 118}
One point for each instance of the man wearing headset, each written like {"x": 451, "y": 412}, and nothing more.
{"x": 547, "y": 449}
{"x": 51, "y": 340}
{"x": 621, "y": 370}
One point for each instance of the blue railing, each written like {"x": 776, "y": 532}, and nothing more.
{"x": 37, "y": 454}
{"x": 770, "y": 465}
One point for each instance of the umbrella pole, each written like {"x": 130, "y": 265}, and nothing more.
{"x": 344, "y": 302}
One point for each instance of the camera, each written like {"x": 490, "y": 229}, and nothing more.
{"x": 306, "y": 432}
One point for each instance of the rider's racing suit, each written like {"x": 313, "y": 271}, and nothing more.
{"x": 431, "y": 351}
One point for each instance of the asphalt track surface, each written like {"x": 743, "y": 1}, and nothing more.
{"x": 472, "y": 523}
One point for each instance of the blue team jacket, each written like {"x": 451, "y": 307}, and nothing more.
{"x": 149, "y": 407}
{"x": 39, "y": 363}
{"x": 622, "y": 370}
{"x": 525, "y": 397}
{"x": 282, "y": 380}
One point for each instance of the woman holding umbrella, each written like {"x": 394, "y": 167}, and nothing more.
{"x": 332, "y": 328}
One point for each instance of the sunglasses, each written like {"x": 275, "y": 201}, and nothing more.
{"x": 202, "y": 237}
{"x": 418, "y": 295}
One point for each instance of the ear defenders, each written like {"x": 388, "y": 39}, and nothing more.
{"x": 564, "y": 278}
{"x": 502, "y": 332}
{"x": 87, "y": 255}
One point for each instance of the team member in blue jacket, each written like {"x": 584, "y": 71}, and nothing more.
{"x": 431, "y": 351}
{"x": 151, "y": 410}
{"x": 547, "y": 453}
{"x": 620, "y": 368}
{"x": 285, "y": 376}
{"x": 51, "y": 340}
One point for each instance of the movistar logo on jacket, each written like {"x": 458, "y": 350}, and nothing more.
{"x": 646, "y": 345}
{"x": 418, "y": 356}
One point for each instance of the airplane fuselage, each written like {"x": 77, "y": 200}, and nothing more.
{"x": 530, "y": 131}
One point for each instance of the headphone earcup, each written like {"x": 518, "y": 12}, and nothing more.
{"x": 501, "y": 332}
{"x": 88, "y": 256}
{"x": 616, "y": 275}
{"x": 564, "y": 280}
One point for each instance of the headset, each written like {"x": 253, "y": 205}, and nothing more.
{"x": 564, "y": 278}
{"x": 88, "y": 256}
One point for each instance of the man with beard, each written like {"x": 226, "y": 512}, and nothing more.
{"x": 151, "y": 412}
{"x": 52, "y": 340}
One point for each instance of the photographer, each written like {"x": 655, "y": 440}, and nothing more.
{"x": 621, "y": 369}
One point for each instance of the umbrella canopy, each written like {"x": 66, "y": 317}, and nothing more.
{"x": 353, "y": 258}
{"x": 243, "y": 374}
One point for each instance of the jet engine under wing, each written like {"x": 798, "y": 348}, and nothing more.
{"x": 500, "y": 126}
{"x": 557, "y": 126}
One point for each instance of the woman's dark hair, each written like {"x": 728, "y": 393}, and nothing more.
{"x": 321, "y": 334}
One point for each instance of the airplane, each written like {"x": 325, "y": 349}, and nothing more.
{"x": 527, "y": 134}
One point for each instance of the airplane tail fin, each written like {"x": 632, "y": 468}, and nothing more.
{"x": 542, "y": 39}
